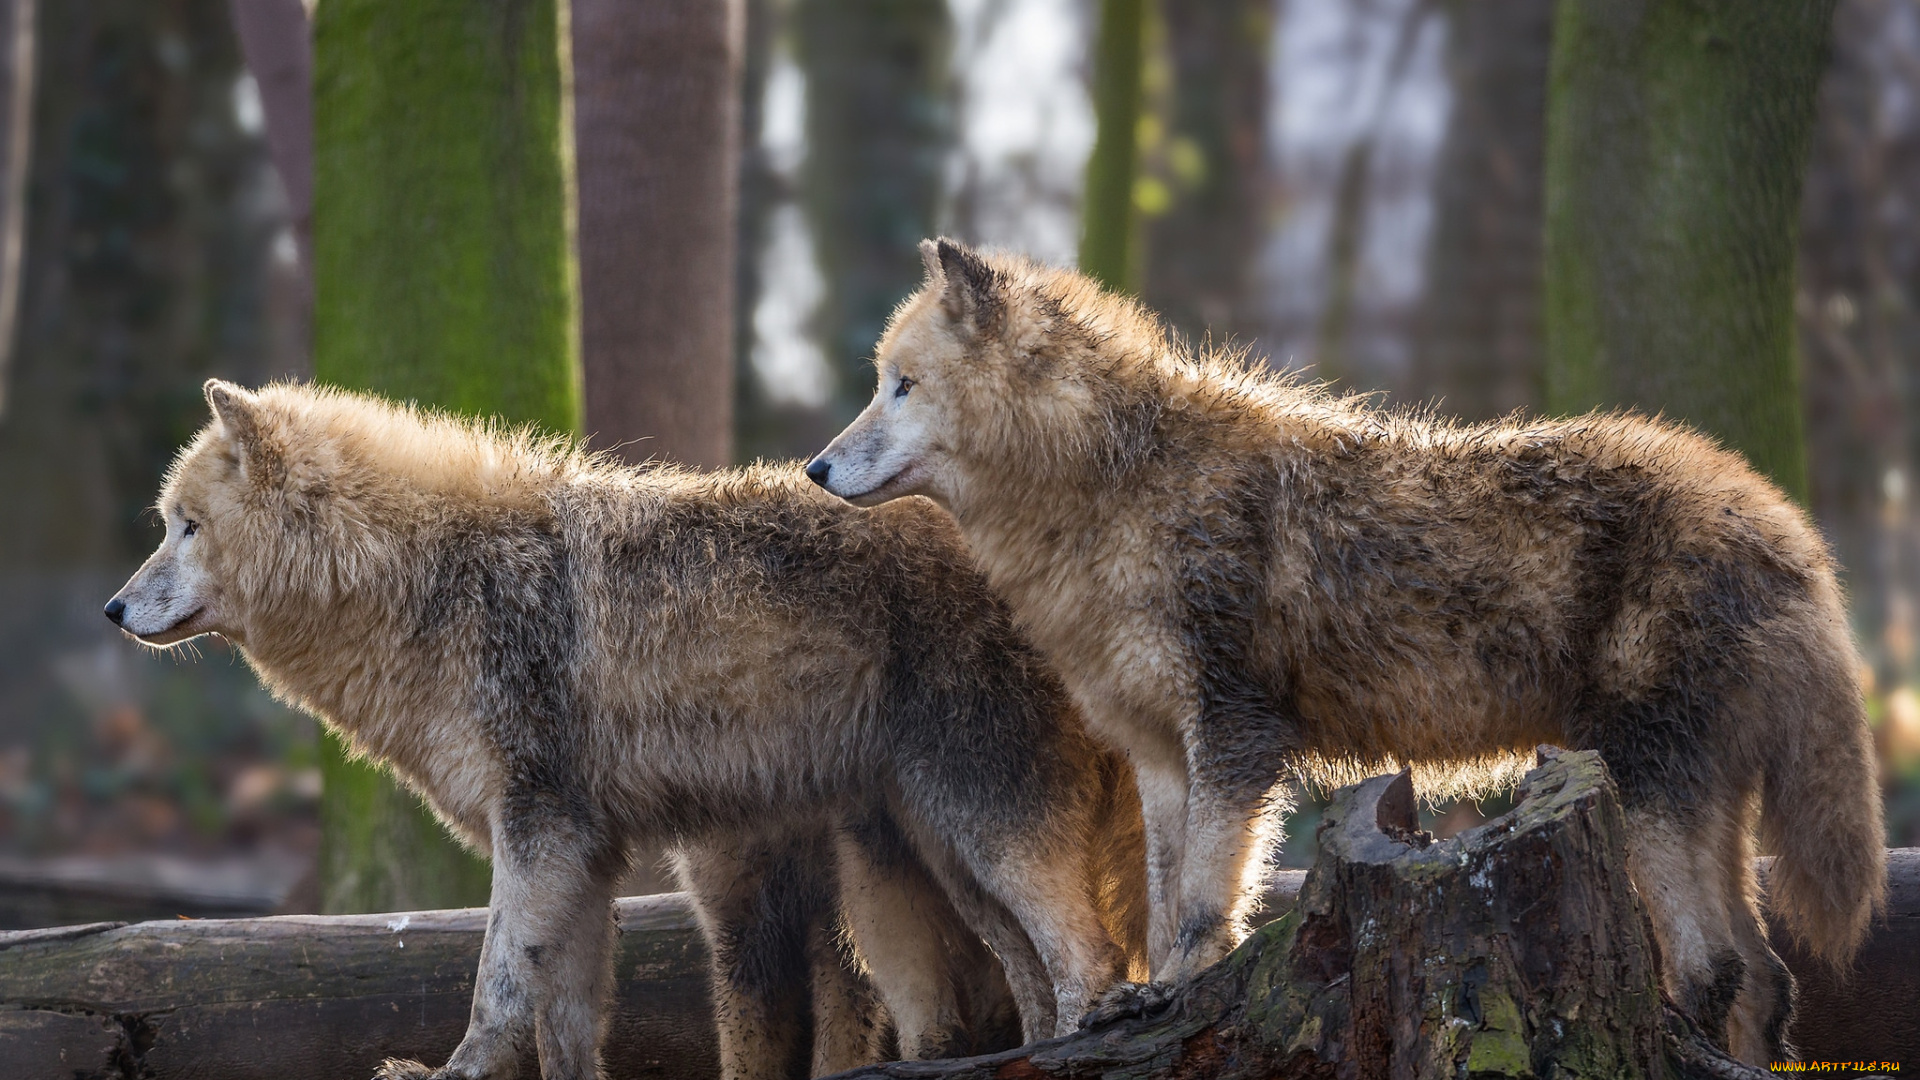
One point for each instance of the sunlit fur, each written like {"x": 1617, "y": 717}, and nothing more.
{"x": 568, "y": 657}
{"x": 1244, "y": 577}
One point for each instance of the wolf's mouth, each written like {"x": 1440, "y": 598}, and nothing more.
{"x": 888, "y": 488}
{"x": 181, "y": 630}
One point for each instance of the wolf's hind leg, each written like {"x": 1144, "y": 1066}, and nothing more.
{"x": 847, "y": 1032}
{"x": 757, "y": 900}
{"x": 1027, "y": 974}
{"x": 1680, "y": 870}
{"x": 1757, "y": 1028}
{"x": 891, "y": 907}
{"x": 1026, "y": 884}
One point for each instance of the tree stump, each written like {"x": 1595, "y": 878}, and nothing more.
{"x": 1518, "y": 948}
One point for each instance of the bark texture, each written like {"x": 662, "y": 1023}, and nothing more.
{"x": 1518, "y": 948}
{"x": 441, "y": 262}
{"x": 320, "y": 998}
{"x": 657, "y": 117}
{"x": 441, "y": 274}
{"x": 303, "y": 997}
{"x": 1677, "y": 134}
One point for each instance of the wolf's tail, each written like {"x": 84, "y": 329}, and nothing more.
{"x": 1118, "y": 862}
{"x": 1820, "y": 809}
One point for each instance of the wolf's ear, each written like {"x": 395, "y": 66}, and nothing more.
{"x": 245, "y": 428}
{"x": 237, "y": 411}
{"x": 971, "y": 292}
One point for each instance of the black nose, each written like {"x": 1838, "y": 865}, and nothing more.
{"x": 117, "y": 610}
{"x": 817, "y": 471}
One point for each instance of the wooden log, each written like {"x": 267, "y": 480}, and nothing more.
{"x": 325, "y": 998}
{"x": 1519, "y": 948}
{"x": 320, "y": 997}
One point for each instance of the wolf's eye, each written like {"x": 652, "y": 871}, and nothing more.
{"x": 192, "y": 527}
{"x": 906, "y": 384}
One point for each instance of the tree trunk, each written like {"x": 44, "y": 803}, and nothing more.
{"x": 1109, "y": 251}
{"x": 275, "y": 38}
{"x": 1518, "y": 948}
{"x": 1201, "y": 249}
{"x": 1478, "y": 347}
{"x": 657, "y": 110}
{"x": 16, "y": 149}
{"x": 442, "y": 274}
{"x": 879, "y": 127}
{"x": 1677, "y": 134}
{"x": 1858, "y": 311}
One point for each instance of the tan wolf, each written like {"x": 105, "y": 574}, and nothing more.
{"x": 1243, "y": 578}
{"x": 568, "y": 658}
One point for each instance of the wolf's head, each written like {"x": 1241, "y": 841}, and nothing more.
{"x": 185, "y": 588}
{"x": 995, "y": 363}
{"x": 298, "y": 502}
{"x": 243, "y": 504}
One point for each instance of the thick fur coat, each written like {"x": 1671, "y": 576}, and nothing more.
{"x": 1243, "y": 578}
{"x": 567, "y": 657}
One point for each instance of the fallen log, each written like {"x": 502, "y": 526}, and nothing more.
{"x": 1518, "y": 948}
{"x": 307, "y": 997}
{"x": 325, "y": 998}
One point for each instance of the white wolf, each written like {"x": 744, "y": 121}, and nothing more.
{"x": 1244, "y": 578}
{"x": 568, "y": 658}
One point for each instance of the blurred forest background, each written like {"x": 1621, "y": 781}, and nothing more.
{"x": 1352, "y": 189}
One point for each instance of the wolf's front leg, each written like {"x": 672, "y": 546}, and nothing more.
{"x": 1235, "y": 803}
{"x": 1162, "y": 779}
{"x": 545, "y": 964}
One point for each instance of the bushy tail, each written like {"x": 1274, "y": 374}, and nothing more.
{"x": 1820, "y": 812}
{"x": 1118, "y": 863}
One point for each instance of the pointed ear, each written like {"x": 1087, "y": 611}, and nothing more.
{"x": 971, "y": 292}
{"x": 245, "y": 427}
{"x": 237, "y": 411}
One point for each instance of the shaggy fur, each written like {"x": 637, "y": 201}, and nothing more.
{"x": 568, "y": 657}
{"x": 1243, "y": 578}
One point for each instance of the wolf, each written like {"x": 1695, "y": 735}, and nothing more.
{"x": 568, "y": 658}
{"x": 832, "y": 947}
{"x": 1244, "y": 578}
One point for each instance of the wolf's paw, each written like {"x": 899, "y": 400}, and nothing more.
{"x": 1127, "y": 1000}
{"x": 397, "y": 1069}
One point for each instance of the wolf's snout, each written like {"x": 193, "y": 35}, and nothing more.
{"x": 817, "y": 471}
{"x": 117, "y": 611}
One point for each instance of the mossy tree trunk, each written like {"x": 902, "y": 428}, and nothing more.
{"x": 1677, "y": 135}
{"x": 442, "y": 274}
{"x": 1109, "y": 228}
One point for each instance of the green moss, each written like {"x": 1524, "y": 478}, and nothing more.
{"x": 441, "y": 262}
{"x": 1677, "y": 137}
{"x": 442, "y": 274}
{"x": 1109, "y": 226}
{"x": 1499, "y": 1048}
